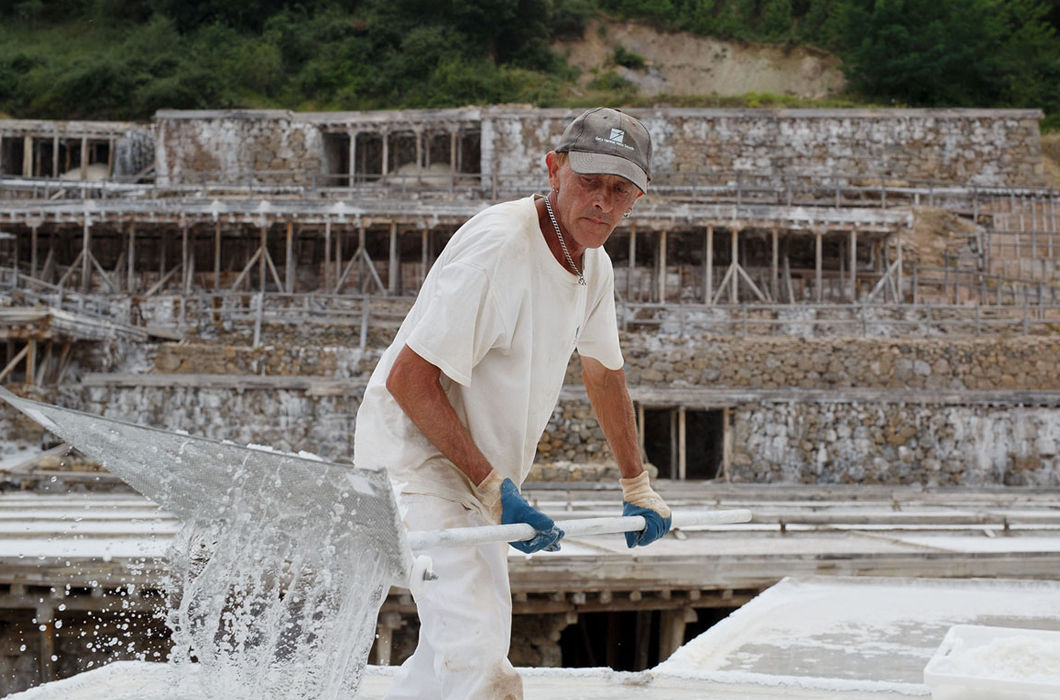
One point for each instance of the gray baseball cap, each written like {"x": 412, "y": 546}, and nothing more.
{"x": 605, "y": 141}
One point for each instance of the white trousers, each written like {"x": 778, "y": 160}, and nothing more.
{"x": 465, "y": 616}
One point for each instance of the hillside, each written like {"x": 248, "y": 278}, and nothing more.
{"x": 682, "y": 63}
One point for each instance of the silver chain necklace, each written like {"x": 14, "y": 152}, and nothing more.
{"x": 562, "y": 243}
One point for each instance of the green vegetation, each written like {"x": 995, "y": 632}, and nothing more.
{"x": 125, "y": 59}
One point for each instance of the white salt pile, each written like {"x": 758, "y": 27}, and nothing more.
{"x": 1012, "y": 658}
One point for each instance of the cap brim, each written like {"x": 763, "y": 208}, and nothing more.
{"x": 604, "y": 164}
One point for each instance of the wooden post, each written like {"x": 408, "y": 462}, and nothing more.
{"x": 817, "y": 263}
{"x": 33, "y": 251}
{"x": 27, "y": 156}
{"x": 86, "y": 238}
{"x": 774, "y": 270}
{"x": 734, "y": 283}
{"x": 185, "y": 279}
{"x": 853, "y": 264}
{"x": 131, "y": 269}
{"x": 662, "y": 267}
{"x": 217, "y": 254}
{"x": 110, "y": 159}
{"x": 46, "y": 622}
{"x": 386, "y": 155}
{"x": 726, "y": 444}
{"x": 708, "y": 282}
{"x": 289, "y": 277}
{"x": 327, "y": 251}
{"x": 84, "y": 158}
{"x": 393, "y": 272}
{"x": 261, "y": 258}
{"x": 682, "y": 451}
{"x": 353, "y": 160}
{"x": 338, "y": 259}
{"x": 672, "y": 626}
{"x": 55, "y": 156}
{"x": 31, "y": 360}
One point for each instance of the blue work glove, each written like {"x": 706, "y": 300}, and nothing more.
{"x": 640, "y": 499}
{"x": 515, "y": 509}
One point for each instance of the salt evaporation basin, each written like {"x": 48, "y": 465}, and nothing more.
{"x": 977, "y": 662}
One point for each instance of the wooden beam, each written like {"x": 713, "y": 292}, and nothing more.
{"x": 217, "y": 254}
{"x": 33, "y": 251}
{"x": 393, "y": 272}
{"x": 734, "y": 296}
{"x": 185, "y": 282}
{"x": 708, "y": 284}
{"x": 818, "y": 263}
{"x": 288, "y": 260}
{"x": 27, "y": 156}
{"x": 131, "y": 278}
{"x": 86, "y": 239}
{"x": 31, "y": 360}
{"x": 84, "y": 158}
{"x": 682, "y": 448}
{"x": 853, "y": 264}
{"x": 13, "y": 363}
{"x": 662, "y": 267}
{"x": 774, "y": 268}
{"x": 263, "y": 258}
{"x": 327, "y": 248}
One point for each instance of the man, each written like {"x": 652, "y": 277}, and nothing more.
{"x": 459, "y": 401}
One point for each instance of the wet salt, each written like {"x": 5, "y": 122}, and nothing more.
{"x": 1017, "y": 657}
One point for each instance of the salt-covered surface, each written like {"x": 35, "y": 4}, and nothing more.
{"x": 853, "y": 630}
{"x": 136, "y": 680}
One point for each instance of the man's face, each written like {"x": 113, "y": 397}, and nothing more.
{"x": 589, "y": 207}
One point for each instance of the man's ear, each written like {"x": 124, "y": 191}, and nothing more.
{"x": 552, "y": 162}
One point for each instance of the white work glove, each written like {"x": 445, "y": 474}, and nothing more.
{"x": 638, "y": 498}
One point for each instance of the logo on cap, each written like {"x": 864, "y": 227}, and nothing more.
{"x": 616, "y": 138}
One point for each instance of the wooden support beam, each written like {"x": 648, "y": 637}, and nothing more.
{"x": 327, "y": 248}
{"x": 734, "y": 295}
{"x": 353, "y": 161}
{"x": 682, "y": 450}
{"x": 853, "y": 264}
{"x": 86, "y": 239}
{"x": 27, "y": 156}
{"x": 393, "y": 270}
{"x": 185, "y": 281}
{"x": 55, "y": 156}
{"x": 818, "y": 234}
{"x": 46, "y": 625}
{"x": 84, "y": 158}
{"x": 708, "y": 282}
{"x": 131, "y": 273}
{"x": 217, "y": 254}
{"x": 10, "y": 367}
{"x": 262, "y": 258}
{"x": 662, "y": 267}
{"x": 774, "y": 267}
{"x": 288, "y": 261}
{"x": 672, "y": 626}
{"x": 31, "y": 360}
{"x": 33, "y": 251}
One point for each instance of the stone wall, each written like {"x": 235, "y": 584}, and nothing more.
{"x": 984, "y": 147}
{"x": 893, "y": 443}
{"x": 988, "y": 363}
{"x": 276, "y": 146}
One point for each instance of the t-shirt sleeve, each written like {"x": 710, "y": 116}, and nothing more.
{"x": 460, "y": 323}
{"x": 599, "y": 336}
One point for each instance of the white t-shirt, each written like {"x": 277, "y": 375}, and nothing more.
{"x": 500, "y": 317}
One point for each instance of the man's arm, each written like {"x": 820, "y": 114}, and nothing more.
{"x": 414, "y": 384}
{"x": 614, "y": 411}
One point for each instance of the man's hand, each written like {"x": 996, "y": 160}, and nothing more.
{"x": 638, "y": 498}
{"x": 515, "y": 509}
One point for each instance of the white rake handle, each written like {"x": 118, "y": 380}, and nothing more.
{"x": 469, "y": 536}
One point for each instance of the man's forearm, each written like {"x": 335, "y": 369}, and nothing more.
{"x": 614, "y": 412}
{"x": 414, "y": 384}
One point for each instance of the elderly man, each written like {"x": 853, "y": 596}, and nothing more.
{"x": 459, "y": 401}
